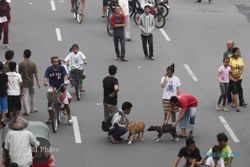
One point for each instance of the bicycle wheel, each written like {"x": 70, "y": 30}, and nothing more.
{"x": 137, "y": 17}
{"x": 79, "y": 15}
{"x": 109, "y": 28}
{"x": 131, "y": 9}
{"x": 159, "y": 21}
{"x": 77, "y": 89}
{"x": 54, "y": 119}
{"x": 163, "y": 10}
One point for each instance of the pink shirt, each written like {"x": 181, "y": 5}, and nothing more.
{"x": 224, "y": 74}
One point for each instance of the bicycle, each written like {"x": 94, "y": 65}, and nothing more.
{"x": 53, "y": 96}
{"x": 134, "y": 5}
{"x": 78, "y": 15}
{"x": 76, "y": 76}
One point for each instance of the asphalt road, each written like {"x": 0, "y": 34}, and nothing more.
{"x": 197, "y": 32}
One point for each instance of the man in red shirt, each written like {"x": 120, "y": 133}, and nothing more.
{"x": 118, "y": 23}
{"x": 186, "y": 118}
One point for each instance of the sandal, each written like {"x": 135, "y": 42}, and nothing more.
{"x": 70, "y": 122}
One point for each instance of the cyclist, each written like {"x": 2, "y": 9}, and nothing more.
{"x": 76, "y": 60}
{"x": 82, "y": 6}
{"x": 55, "y": 76}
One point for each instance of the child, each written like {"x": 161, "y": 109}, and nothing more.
{"x": 3, "y": 94}
{"x": 223, "y": 77}
{"x": 215, "y": 160}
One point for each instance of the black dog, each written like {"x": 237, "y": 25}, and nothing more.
{"x": 164, "y": 129}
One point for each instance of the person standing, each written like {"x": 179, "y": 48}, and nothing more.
{"x": 3, "y": 94}
{"x": 171, "y": 87}
{"x": 118, "y": 21}
{"x": 147, "y": 24}
{"x": 15, "y": 91}
{"x": 186, "y": 119}
{"x": 236, "y": 76}
{"x": 28, "y": 71}
{"x": 223, "y": 77}
{"x": 125, "y": 9}
{"x": 4, "y": 22}
{"x": 18, "y": 142}
{"x": 110, "y": 91}
{"x": 9, "y": 55}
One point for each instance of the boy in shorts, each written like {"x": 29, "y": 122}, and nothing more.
{"x": 3, "y": 94}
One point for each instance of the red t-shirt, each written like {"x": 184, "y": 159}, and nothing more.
{"x": 186, "y": 101}
{"x": 117, "y": 19}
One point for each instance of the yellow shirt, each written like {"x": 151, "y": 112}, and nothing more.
{"x": 236, "y": 66}
{"x": 226, "y": 153}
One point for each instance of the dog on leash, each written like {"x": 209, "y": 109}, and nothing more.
{"x": 164, "y": 129}
{"x": 135, "y": 128}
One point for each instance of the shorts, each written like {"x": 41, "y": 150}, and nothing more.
{"x": 3, "y": 104}
{"x": 104, "y": 2}
{"x": 14, "y": 103}
{"x": 109, "y": 110}
{"x": 167, "y": 106}
{"x": 233, "y": 85}
{"x": 188, "y": 121}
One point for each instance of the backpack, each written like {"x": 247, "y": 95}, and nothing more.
{"x": 108, "y": 123}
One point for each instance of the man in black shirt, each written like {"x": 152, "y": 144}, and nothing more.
{"x": 3, "y": 94}
{"x": 110, "y": 87}
{"x": 191, "y": 153}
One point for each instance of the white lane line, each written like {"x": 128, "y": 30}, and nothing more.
{"x": 190, "y": 72}
{"x": 229, "y": 129}
{"x": 58, "y": 34}
{"x": 165, "y": 35}
{"x": 53, "y": 6}
{"x": 61, "y": 1}
{"x": 76, "y": 129}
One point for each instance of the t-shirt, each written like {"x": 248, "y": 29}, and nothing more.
{"x": 190, "y": 156}
{"x": 186, "y": 101}
{"x": 118, "y": 19}
{"x": 55, "y": 76}
{"x": 171, "y": 86}
{"x": 14, "y": 80}
{"x": 210, "y": 162}
{"x": 236, "y": 65}
{"x": 224, "y": 74}
{"x": 27, "y": 69}
{"x": 3, "y": 84}
{"x": 76, "y": 60}
{"x": 227, "y": 54}
{"x": 226, "y": 153}
{"x": 19, "y": 142}
{"x": 108, "y": 85}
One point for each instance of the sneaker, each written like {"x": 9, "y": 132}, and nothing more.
{"x": 124, "y": 60}
{"x": 218, "y": 107}
{"x": 151, "y": 58}
{"x": 243, "y": 104}
{"x": 6, "y": 46}
{"x": 225, "y": 109}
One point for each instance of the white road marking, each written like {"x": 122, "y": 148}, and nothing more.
{"x": 165, "y": 35}
{"x": 61, "y": 1}
{"x": 76, "y": 129}
{"x": 58, "y": 34}
{"x": 190, "y": 72}
{"x": 229, "y": 129}
{"x": 53, "y": 6}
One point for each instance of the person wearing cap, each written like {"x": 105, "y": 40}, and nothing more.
{"x": 190, "y": 152}
{"x": 186, "y": 119}
{"x": 147, "y": 24}
{"x": 18, "y": 142}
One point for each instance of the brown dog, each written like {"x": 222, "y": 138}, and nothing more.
{"x": 135, "y": 128}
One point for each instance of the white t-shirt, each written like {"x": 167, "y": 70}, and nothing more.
{"x": 76, "y": 60}
{"x": 124, "y": 6}
{"x": 14, "y": 80}
{"x": 19, "y": 142}
{"x": 170, "y": 88}
{"x": 210, "y": 162}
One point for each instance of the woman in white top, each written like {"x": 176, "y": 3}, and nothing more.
{"x": 171, "y": 87}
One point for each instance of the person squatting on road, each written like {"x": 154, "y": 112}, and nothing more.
{"x": 76, "y": 60}
{"x": 171, "y": 87}
{"x": 118, "y": 21}
{"x": 18, "y": 142}
{"x": 4, "y": 21}
{"x": 186, "y": 119}
{"x": 119, "y": 123}
{"x": 125, "y": 10}
{"x": 215, "y": 160}
{"x": 236, "y": 77}
{"x": 190, "y": 152}
{"x": 147, "y": 24}
{"x": 223, "y": 78}
{"x": 54, "y": 77}
{"x": 28, "y": 71}
{"x": 110, "y": 93}
{"x": 15, "y": 91}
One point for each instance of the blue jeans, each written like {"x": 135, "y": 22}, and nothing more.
{"x": 116, "y": 133}
{"x": 188, "y": 121}
{"x": 224, "y": 91}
